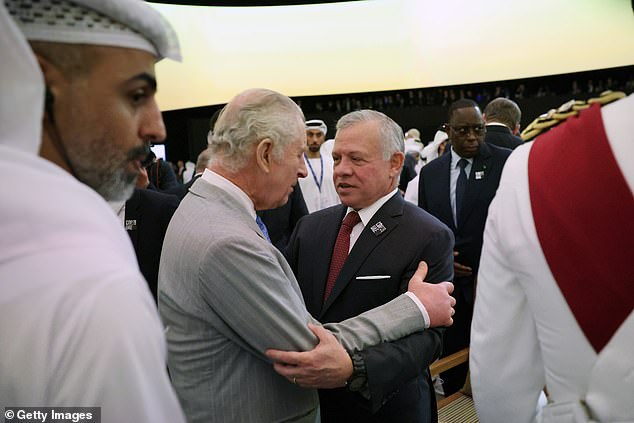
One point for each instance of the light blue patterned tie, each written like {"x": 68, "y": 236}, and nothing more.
{"x": 263, "y": 228}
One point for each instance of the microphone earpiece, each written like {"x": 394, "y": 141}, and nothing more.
{"x": 49, "y": 98}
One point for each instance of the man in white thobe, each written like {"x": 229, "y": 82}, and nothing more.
{"x": 318, "y": 187}
{"x": 77, "y": 321}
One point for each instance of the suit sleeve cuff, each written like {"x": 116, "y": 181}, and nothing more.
{"x": 421, "y": 307}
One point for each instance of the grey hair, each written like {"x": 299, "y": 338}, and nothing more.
{"x": 391, "y": 134}
{"x": 504, "y": 111}
{"x": 250, "y": 117}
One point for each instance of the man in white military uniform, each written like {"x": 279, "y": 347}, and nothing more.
{"x": 554, "y": 299}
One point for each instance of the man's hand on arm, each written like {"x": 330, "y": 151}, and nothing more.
{"x": 326, "y": 366}
{"x": 460, "y": 270}
{"x": 143, "y": 180}
{"x": 435, "y": 297}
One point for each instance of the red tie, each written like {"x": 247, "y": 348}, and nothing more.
{"x": 340, "y": 252}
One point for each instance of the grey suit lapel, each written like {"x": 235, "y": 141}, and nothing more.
{"x": 212, "y": 193}
{"x": 389, "y": 215}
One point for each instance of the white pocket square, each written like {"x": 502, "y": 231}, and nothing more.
{"x": 373, "y": 277}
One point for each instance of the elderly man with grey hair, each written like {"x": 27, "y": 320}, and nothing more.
{"x": 390, "y": 382}
{"x": 227, "y": 295}
{"x": 77, "y": 114}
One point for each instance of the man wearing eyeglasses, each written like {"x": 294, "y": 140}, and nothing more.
{"x": 457, "y": 188}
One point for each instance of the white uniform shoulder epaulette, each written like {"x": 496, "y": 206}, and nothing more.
{"x": 571, "y": 108}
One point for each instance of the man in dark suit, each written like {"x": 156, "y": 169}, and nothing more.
{"x": 502, "y": 118}
{"x": 457, "y": 188}
{"x": 147, "y": 214}
{"x": 161, "y": 173}
{"x": 202, "y": 162}
{"x": 389, "y": 237}
{"x": 409, "y": 171}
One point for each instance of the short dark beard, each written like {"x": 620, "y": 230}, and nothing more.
{"x": 107, "y": 173}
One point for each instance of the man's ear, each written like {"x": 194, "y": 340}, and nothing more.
{"x": 396, "y": 162}
{"x": 53, "y": 76}
{"x": 264, "y": 154}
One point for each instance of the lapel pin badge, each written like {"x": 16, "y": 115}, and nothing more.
{"x": 130, "y": 225}
{"x": 479, "y": 174}
{"x": 378, "y": 228}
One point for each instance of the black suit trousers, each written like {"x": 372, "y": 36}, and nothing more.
{"x": 457, "y": 336}
{"x": 343, "y": 406}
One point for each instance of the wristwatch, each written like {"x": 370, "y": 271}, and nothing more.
{"x": 359, "y": 376}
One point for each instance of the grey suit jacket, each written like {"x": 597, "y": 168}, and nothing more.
{"x": 226, "y": 295}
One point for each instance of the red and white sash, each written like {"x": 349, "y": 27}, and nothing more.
{"x": 583, "y": 210}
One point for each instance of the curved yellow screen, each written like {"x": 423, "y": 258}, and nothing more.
{"x": 382, "y": 45}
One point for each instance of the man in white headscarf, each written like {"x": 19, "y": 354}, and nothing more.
{"x": 77, "y": 113}
{"x": 434, "y": 148}
{"x": 412, "y": 139}
{"x": 429, "y": 153}
{"x": 318, "y": 187}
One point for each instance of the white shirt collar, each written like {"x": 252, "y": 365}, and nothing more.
{"x": 455, "y": 158}
{"x": 367, "y": 213}
{"x": 119, "y": 208}
{"x": 496, "y": 124}
{"x": 230, "y": 188}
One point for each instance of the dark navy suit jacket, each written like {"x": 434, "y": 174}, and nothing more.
{"x": 397, "y": 372}
{"x": 181, "y": 190}
{"x": 501, "y": 136}
{"x": 433, "y": 196}
{"x": 151, "y": 212}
